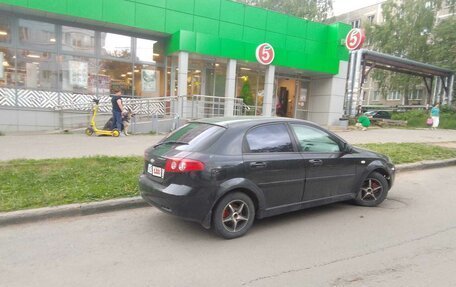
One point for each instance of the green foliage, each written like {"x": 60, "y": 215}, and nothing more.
{"x": 411, "y": 152}
{"x": 443, "y": 49}
{"x": 414, "y": 118}
{"x": 1, "y": 133}
{"x": 246, "y": 93}
{"x": 417, "y": 118}
{"x": 41, "y": 183}
{"x": 315, "y": 10}
{"x": 410, "y": 31}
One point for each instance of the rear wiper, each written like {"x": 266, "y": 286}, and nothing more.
{"x": 170, "y": 142}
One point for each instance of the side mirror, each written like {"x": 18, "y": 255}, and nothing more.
{"x": 347, "y": 148}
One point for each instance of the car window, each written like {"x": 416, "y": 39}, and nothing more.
{"x": 269, "y": 138}
{"x": 314, "y": 140}
{"x": 194, "y": 136}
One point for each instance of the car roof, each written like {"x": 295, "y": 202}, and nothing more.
{"x": 240, "y": 120}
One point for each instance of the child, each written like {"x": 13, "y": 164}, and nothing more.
{"x": 364, "y": 122}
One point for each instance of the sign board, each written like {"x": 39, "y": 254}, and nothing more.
{"x": 265, "y": 54}
{"x": 355, "y": 39}
{"x": 79, "y": 74}
{"x": 148, "y": 81}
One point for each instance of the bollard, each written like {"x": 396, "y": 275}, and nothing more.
{"x": 176, "y": 122}
{"x": 155, "y": 123}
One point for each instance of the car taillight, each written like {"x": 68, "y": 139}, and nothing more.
{"x": 146, "y": 156}
{"x": 183, "y": 165}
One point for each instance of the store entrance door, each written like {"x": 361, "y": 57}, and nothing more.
{"x": 291, "y": 98}
{"x": 302, "y": 100}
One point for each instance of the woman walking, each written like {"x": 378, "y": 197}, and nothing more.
{"x": 435, "y": 114}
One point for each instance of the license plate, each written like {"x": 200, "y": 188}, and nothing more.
{"x": 156, "y": 171}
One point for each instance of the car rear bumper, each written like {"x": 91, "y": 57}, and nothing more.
{"x": 180, "y": 200}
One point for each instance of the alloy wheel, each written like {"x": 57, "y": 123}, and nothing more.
{"x": 235, "y": 215}
{"x": 371, "y": 190}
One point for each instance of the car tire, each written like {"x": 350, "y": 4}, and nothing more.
{"x": 233, "y": 215}
{"x": 373, "y": 190}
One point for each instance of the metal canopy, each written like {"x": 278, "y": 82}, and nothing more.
{"x": 402, "y": 65}
{"x": 363, "y": 61}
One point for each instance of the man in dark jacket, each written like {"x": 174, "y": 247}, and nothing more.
{"x": 117, "y": 108}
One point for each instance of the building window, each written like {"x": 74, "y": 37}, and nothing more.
{"x": 394, "y": 96}
{"x": 115, "y": 45}
{"x": 78, "y": 40}
{"x": 376, "y": 96}
{"x": 37, "y": 34}
{"x": 5, "y": 29}
{"x": 7, "y": 67}
{"x": 79, "y": 75}
{"x": 148, "y": 51}
{"x": 114, "y": 75}
{"x": 416, "y": 95}
{"x": 36, "y": 70}
{"x": 38, "y": 55}
{"x": 250, "y": 86}
{"x": 206, "y": 76}
{"x": 216, "y": 78}
{"x": 356, "y": 23}
{"x": 370, "y": 18}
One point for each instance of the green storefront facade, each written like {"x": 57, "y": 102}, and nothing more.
{"x": 77, "y": 49}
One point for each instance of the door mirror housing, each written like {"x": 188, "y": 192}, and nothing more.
{"x": 346, "y": 148}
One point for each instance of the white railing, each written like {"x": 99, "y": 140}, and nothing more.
{"x": 189, "y": 107}
{"x": 74, "y": 115}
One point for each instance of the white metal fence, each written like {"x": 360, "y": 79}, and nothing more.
{"x": 74, "y": 115}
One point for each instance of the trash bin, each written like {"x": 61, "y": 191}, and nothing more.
{"x": 343, "y": 123}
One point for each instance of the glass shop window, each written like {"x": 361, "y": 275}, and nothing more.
{"x": 37, "y": 34}
{"x": 79, "y": 74}
{"x": 36, "y": 70}
{"x": 149, "y": 51}
{"x": 5, "y": 29}
{"x": 78, "y": 40}
{"x": 115, "y": 75}
{"x": 7, "y": 67}
{"x": 115, "y": 45}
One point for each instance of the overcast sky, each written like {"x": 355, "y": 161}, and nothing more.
{"x": 343, "y": 6}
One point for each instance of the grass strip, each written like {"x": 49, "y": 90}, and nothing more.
{"x": 401, "y": 153}
{"x": 28, "y": 184}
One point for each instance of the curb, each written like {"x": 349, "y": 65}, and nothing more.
{"x": 70, "y": 210}
{"x": 73, "y": 210}
{"x": 427, "y": 164}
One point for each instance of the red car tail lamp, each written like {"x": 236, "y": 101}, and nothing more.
{"x": 183, "y": 165}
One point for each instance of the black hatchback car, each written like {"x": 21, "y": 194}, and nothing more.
{"x": 378, "y": 115}
{"x": 224, "y": 173}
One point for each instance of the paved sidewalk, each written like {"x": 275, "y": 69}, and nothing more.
{"x": 42, "y": 146}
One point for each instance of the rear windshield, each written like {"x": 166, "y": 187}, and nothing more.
{"x": 194, "y": 136}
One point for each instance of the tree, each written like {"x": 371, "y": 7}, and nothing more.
{"x": 315, "y": 10}
{"x": 409, "y": 31}
{"x": 246, "y": 93}
{"x": 443, "y": 48}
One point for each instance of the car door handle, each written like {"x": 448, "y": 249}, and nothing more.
{"x": 258, "y": 164}
{"x": 316, "y": 162}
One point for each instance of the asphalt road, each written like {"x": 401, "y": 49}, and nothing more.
{"x": 409, "y": 241}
